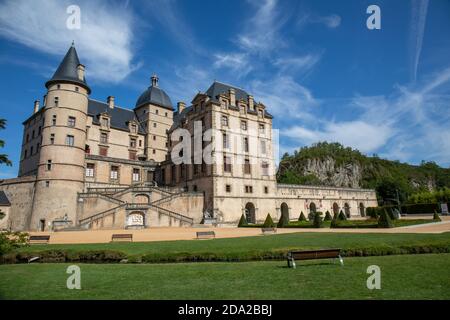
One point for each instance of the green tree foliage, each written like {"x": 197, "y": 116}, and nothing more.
{"x": 437, "y": 196}
{"x": 12, "y": 240}
{"x": 342, "y": 216}
{"x": 302, "y": 217}
{"x": 283, "y": 222}
{"x": 3, "y": 157}
{"x": 388, "y": 178}
{"x": 327, "y": 216}
{"x": 243, "y": 222}
{"x": 384, "y": 221}
{"x": 436, "y": 217}
{"x": 318, "y": 222}
{"x": 268, "y": 223}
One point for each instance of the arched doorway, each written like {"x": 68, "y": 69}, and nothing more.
{"x": 335, "y": 208}
{"x": 347, "y": 209}
{"x": 141, "y": 198}
{"x": 250, "y": 212}
{"x": 362, "y": 210}
{"x": 135, "y": 219}
{"x": 285, "y": 211}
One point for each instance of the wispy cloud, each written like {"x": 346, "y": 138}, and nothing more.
{"x": 419, "y": 10}
{"x": 234, "y": 61}
{"x": 104, "y": 41}
{"x": 298, "y": 63}
{"x": 331, "y": 21}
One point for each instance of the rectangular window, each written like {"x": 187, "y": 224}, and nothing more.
{"x": 263, "y": 147}
{"x": 265, "y": 168}
{"x": 228, "y": 188}
{"x": 90, "y": 170}
{"x": 71, "y": 122}
{"x": 70, "y": 140}
{"x": 246, "y": 146}
{"x": 32, "y": 135}
{"x": 28, "y": 137}
{"x": 103, "y": 137}
{"x": 31, "y": 151}
{"x": 266, "y": 189}
{"x": 52, "y": 138}
{"x": 103, "y": 151}
{"x": 248, "y": 189}
{"x": 114, "y": 174}
{"x": 261, "y": 128}
{"x": 224, "y": 121}
{"x": 133, "y": 128}
{"x": 136, "y": 175}
{"x": 244, "y": 125}
{"x": 247, "y": 168}
{"x": 56, "y": 101}
{"x": 225, "y": 141}
{"x": 133, "y": 155}
{"x": 54, "y": 120}
{"x": 47, "y": 184}
{"x": 226, "y": 164}
{"x": 132, "y": 143}
{"x": 260, "y": 113}
{"x": 105, "y": 122}
{"x": 140, "y": 143}
{"x": 26, "y": 154}
{"x": 49, "y": 165}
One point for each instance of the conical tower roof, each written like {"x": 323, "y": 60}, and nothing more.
{"x": 68, "y": 70}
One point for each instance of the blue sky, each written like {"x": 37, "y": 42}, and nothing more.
{"x": 315, "y": 64}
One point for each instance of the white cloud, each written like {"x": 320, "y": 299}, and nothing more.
{"x": 331, "y": 21}
{"x": 234, "y": 61}
{"x": 104, "y": 42}
{"x": 419, "y": 10}
{"x": 297, "y": 64}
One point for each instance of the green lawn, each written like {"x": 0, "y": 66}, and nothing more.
{"x": 424, "y": 276}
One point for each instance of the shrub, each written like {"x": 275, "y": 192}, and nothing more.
{"x": 436, "y": 216}
{"x": 12, "y": 240}
{"x": 283, "y": 222}
{"x": 342, "y": 216}
{"x": 302, "y": 217}
{"x": 334, "y": 222}
{"x": 242, "y": 222}
{"x": 268, "y": 223}
{"x": 384, "y": 221}
{"x": 327, "y": 216}
{"x": 318, "y": 223}
{"x": 419, "y": 208}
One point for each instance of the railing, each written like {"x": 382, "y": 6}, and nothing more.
{"x": 100, "y": 215}
{"x": 174, "y": 214}
{"x": 100, "y": 195}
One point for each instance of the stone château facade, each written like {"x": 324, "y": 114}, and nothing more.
{"x": 92, "y": 164}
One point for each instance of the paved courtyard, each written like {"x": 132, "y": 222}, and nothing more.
{"x": 175, "y": 233}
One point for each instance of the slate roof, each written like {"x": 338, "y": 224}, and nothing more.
{"x": 218, "y": 87}
{"x": 4, "y": 199}
{"x": 67, "y": 70}
{"x": 119, "y": 116}
{"x": 155, "y": 95}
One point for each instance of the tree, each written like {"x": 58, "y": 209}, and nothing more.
{"x": 384, "y": 221}
{"x": 342, "y": 216}
{"x": 3, "y": 157}
{"x": 302, "y": 217}
{"x": 327, "y": 216}
{"x": 283, "y": 222}
{"x": 436, "y": 216}
{"x": 242, "y": 222}
{"x": 318, "y": 223}
{"x": 12, "y": 240}
{"x": 269, "y": 222}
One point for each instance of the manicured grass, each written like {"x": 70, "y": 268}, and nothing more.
{"x": 402, "y": 277}
{"x": 273, "y": 242}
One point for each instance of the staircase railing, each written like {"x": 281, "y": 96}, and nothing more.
{"x": 100, "y": 215}
{"x": 174, "y": 214}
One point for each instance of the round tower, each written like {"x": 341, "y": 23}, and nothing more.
{"x": 62, "y": 156}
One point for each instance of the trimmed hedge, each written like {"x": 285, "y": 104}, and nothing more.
{"x": 342, "y": 216}
{"x": 268, "y": 223}
{"x": 327, "y": 216}
{"x": 302, "y": 217}
{"x": 318, "y": 222}
{"x": 418, "y": 208}
{"x": 384, "y": 221}
{"x": 242, "y": 222}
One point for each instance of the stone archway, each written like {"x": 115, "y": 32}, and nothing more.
{"x": 362, "y": 209}
{"x": 285, "y": 211}
{"x": 347, "y": 209}
{"x": 250, "y": 212}
{"x": 335, "y": 208}
{"x": 136, "y": 219}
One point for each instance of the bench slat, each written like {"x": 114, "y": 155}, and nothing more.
{"x": 314, "y": 254}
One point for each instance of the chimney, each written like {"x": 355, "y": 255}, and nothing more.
{"x": 251, "y": 104}
{"x": 232, "y": 94}
{"x": 36, "y": 106}
{"x": 110, "y": 101}
{"x": 181, "y": 105}
{"x": 80, "y": 72}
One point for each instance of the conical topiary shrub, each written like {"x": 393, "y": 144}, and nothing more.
{"x": 342, "y": 216}
{"x": 317, "y": 222}
{"x": 268, "y": 223}
{"x": 283, "y": 222}
{"x": 327, "y": 216}
{"x": 384, "y": 221}
{"x": 242, "y": 222}
{"x": 436, "y": 216}
{"x": 302, "y": 217}
{"x": 334, "y": 222}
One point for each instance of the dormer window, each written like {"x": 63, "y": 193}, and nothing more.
{"x": 133, "y": 128}
{"x": 224, "y": 121}
{"x": 260, "y": 113}
{"x": 105, "y": 122}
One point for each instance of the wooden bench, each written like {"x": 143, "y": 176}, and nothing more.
{"x": 313, "y": 254}
{"x": 122, "y": 237}
{"x": 206, "y": 234}
{"x": 269, "y": 230}
{"x": 41, "y": 239}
